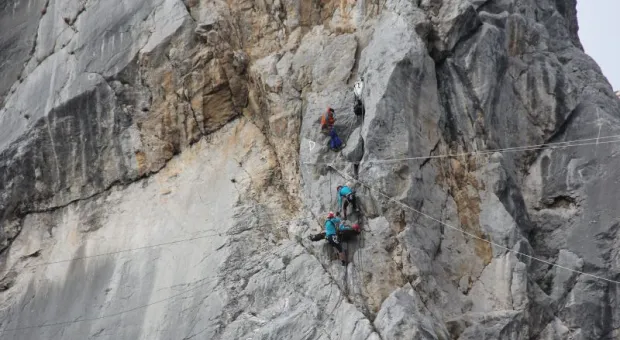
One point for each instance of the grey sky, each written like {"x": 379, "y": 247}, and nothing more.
{"x": 599, "y": 27}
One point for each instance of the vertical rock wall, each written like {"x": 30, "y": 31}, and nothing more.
{"x": 161, "y": 166}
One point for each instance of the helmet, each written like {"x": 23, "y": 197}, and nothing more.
{"x": 330, "y": 215}
{"x": 330, "y": 109}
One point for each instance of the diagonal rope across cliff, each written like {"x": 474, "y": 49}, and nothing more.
{"x": 200, "y": 283}
{"x": 470, "y": 234}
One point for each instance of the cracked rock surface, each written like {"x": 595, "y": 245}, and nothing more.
{"x": 161, "y": 167}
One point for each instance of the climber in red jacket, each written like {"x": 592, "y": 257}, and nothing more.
{"x": 327, "y": 121}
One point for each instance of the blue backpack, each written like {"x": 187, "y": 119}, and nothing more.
{"x": 334, "y": 143}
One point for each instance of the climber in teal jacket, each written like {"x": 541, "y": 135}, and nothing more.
{"x": 345, "y": 232}
{"x": 349, "y": 195}
{"x": 331, "y": 224}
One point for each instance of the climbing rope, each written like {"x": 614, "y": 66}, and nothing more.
{"x": 331, "y": 198}
{"x": 554, "y": 145}
{"x": 470, "y": 234}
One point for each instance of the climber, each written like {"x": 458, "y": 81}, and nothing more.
{"x": 344, "y": 232}
{"x": 349, "y": 195}
{"x": 358, "y": 106}
{"x": 332, "y": 236}
{"x": 335, "y": 143}
{"x": 327, "y": 121}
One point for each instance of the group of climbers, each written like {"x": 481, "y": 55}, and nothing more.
{"x": 337, "y": 230}
{"x": 328, "y": 120}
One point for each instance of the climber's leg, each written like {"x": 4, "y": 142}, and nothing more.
{"x": 317, "y": 237}
{"x": 333, "y": 240}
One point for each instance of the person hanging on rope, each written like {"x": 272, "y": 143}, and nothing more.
{"x": 348, "y": 194}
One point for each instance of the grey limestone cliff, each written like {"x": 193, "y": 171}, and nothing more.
{"x": 161, "y": 167}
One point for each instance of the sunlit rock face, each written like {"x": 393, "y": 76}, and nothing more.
{"x": 161, "y": 166}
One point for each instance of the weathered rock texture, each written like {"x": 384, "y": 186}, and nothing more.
{"x": 161, "y": 165}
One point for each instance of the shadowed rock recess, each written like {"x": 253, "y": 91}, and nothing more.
{"x": 161, "y": 167}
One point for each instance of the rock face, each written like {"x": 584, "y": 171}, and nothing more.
{"x": 162, "y": 166}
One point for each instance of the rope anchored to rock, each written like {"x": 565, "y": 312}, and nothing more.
{"x": 470, "y": 234}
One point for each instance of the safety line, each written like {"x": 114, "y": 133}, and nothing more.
{"x": 293, "y": 243}
{"x": 113, "y": 314}
{"x": 122, "y": 251}
{"x": 278, "y": 223}
{"x": 554, "y": 145}
{"x": 470, "y": 234}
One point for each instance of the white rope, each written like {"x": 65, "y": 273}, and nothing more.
{"x": 555, "y": 145}
{"x": 470, "y": 234}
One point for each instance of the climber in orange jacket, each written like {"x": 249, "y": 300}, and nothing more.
{"x": 327, "y": 121}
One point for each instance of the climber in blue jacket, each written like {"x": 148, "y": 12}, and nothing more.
{"x": 349, "y": 195}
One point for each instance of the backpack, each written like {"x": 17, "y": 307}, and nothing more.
{"x": 334, "y": 142}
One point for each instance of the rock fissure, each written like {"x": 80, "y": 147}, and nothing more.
{"x": 36, "y": 36}
{"x": 433, "y": 150}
